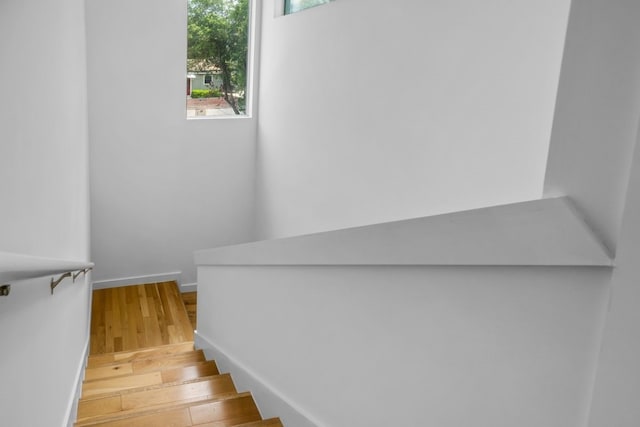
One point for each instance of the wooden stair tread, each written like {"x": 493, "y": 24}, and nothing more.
{"x": 139, "y": 366}
{"x": 132, "y": 402}
{"x": 182, "y": 374}
{"x": 271, "y": 422}
{"x": 143, "y": 353}
{"x": 228, "y": 410}
{"x": 102, "y": 374}
{"x": 143, "y": 388}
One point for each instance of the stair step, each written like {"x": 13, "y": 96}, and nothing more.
{"x": 139, "y": 366}
{"x": 271, "y": 422}
{"x": 112, "y": 385}
{"x": 228, "y": 412}
{"x": 143, "y": 353}
{"x": 172, "y": 361}
{"x": 144, "y": 380}
{"x": 129, "y": 402}
{"x": 187, "y": 373}
{"x": 225, "y": 411}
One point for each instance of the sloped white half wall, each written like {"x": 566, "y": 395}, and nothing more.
{"x": 499, "y": 329}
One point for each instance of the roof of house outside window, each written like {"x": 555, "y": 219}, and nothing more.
{"x": 201, "y": 66}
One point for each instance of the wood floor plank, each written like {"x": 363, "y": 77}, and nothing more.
{"x": 102, "y": 372}
{"x": 108, "y": 300}
{"x": 160, "y": 315}
{"x": 142, "y": 297}
{"x": 105, "y": 406}
{"x": 110, "y": 385}
{"x": 117, "y": 323}
{"x": 188, "y": 373}
{"x": 96, "y": 310}
{"x": 108, "y": 338}
{"x": 135, "y": 317}
{"x": 172, "y": 418}
{"x": 241, "y": 409}
{"x": 180, "y": 359}
{"x": 166, "y": 312}
{"x": 154, "y": 336}
{"x": 119, "y": 295}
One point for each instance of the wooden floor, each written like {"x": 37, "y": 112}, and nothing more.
{"x": 134, "y": 317}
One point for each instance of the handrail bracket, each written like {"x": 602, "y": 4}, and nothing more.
{"x": 55, "y": 283}
{"x": 71, "y": 274}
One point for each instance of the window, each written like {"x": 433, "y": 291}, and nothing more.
{"x": 217, "y": 47}
{"x": 293, "y": 6}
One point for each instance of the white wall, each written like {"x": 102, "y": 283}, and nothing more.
{"x": 597, "y": 111}
{"x": 44, "y": 343}
{"x": 380, "y": 346}
{"x": 617, "y": 388}
{"x": 591, "y": 158}
{"x": 372, "y": 111}
{"x": 44, "y": 205}
{"x": 161, "y": 186}
{"x": 43, "y": 129}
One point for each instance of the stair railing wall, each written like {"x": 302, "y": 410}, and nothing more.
{"x": 17, "y": 267}
{"x": 405, "y": 323}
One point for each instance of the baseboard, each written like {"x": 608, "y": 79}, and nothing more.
{"x": 270, "y": 402}
{"x": 72, "y": 409}
{"x": 188, "y": 287}
{"x": 136, "y": 280}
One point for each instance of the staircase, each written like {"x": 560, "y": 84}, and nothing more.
{"x": 166, "y": 385}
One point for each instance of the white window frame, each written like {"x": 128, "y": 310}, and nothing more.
{"x": 281, "y": 4}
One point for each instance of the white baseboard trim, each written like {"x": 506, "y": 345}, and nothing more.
{"x": 136, "y": 280}
{"x": 189, "y": 287}
{"x": 72, "y": 408}
{"x": 270, "y": 401}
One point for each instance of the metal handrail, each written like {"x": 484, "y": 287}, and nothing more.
{"x": 15, "y": 266}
